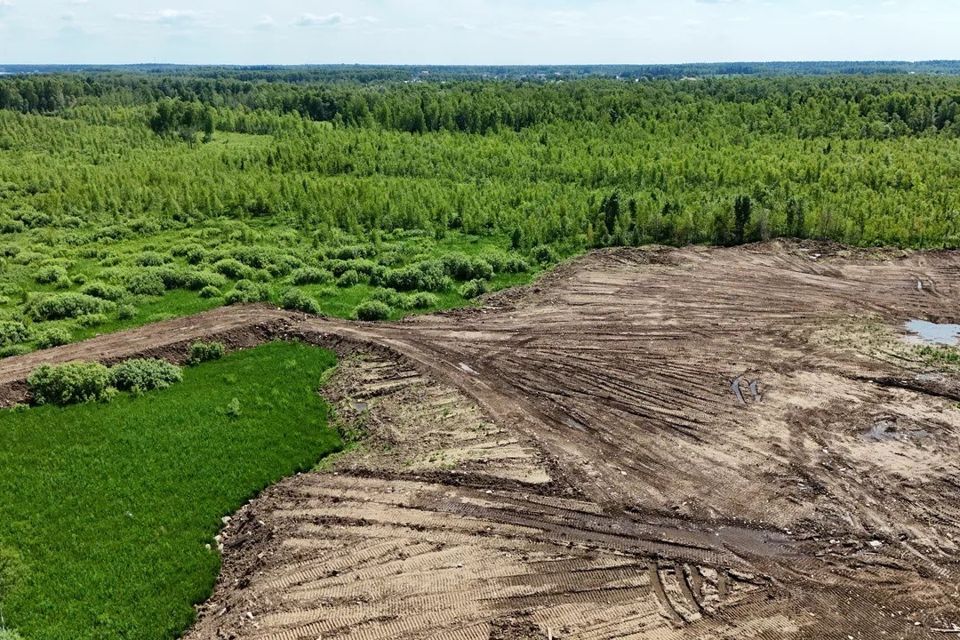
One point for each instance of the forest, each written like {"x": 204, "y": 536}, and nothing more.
{"x": 134, "y": 194}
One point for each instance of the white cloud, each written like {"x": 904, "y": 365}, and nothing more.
{"x": 169, "y": 17}
{"x": 312, "y": 20}
{"x": 266, "y": 22}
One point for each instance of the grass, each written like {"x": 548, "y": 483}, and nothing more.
{"x": 112, "y": 505}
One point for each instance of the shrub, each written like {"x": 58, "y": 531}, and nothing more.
{"x": 146, "y": 283}
{"x": 61, "y": 306}
{"x": 232, "y": 268}
{"x": 388, "y": 297}
{"x": 297, "y": 300}
{"x": 339, "y": 267}
{"x": 233, "y": 409}
{"x": 515, "y": 264}
{"x": 311, "y": 275}
{"x": 199, "y": 280}
{"x": 421, "y": 301}
{"x": 69, "y": 383}
{"x": 206, "y": 351}
{"x": 348, "y": 279}
{"x": 103, "y": 291}
{"x": 9, "y": 634}
{"x": 92, "y": 320}
{"x": 247, "y": 291}
{"x": 14, "y": 350}
{"x": 373, "y": 310}
{"x": 210, "y": 292}
{"x": 13, "y": 332}
{"x": 53, "y": 337}
{"x": 425, "y": 276}
{"x": 463, "y": 267}
{"x": 473, "y": 289}
{"x": 151, "y": 259}
{"x": 145, "y": 375}
{"x": 52, "y": 274}
{"x": 195, "y": 255}
{"x": 543, "y": 254}
{"x": 126, "y": 312}
{"x": 350, "y": 253}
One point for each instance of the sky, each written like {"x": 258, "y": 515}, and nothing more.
{"x": 474, "y": 31}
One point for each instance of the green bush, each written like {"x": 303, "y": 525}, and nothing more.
{"x": 151, "y": 259}
{"x": 103, "y": 291}
{"x": 421, "y": 301}
{"x": 92, "y": 320}
{"x": 428, "y": 275}
{"x": 206, "y": 351}
{"x": 473, "y": 289}
{"x": 199, "y": 280}
{"x": 70, "y": 383}
{"x": 372, "y": 310}
{"x": 297, "y": 300}
{"x": 348, "y": 279}
{"x": 13, "y": 332}
{"x": 9, "y": 634}
{"x": 232, "y": 268}
{"x": 210, "y": 292}
{"x": 543, "y": 254}
{"x": 145, "y": 375}
{"x": 146, "y": 283}
{"x": 14, "y": 350}
{"x": 126, "y": 312}
{"x": 462, "y": 267}
{"x": 53, "y": 274}
{"x": 53, "y": 337}
{"x": 311, "y": 275}
{"x": 515, "y": 264}
{"x": 60, "y": 306}
{"x": 247, "y": 291}
{"x": 353, "y": 252}
{"x": 388, "y": 297}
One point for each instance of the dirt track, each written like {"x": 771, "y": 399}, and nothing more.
{"x": 647, "y": 444}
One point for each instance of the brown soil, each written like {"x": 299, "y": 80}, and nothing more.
{"x": 696, "y": 443}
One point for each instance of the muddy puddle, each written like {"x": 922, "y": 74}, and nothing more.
{"x": 925, "y": 332}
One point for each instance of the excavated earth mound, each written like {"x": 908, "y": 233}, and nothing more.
{"x": 659, "y": 443}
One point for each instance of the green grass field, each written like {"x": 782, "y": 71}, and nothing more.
{"x": 112, "y": 505}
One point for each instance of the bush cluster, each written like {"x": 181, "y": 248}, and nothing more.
{"x": 144, "y": 375}
{"x": 13, "y": 332}
{"x": 54, "y": 275}
{"x": 311, "y": 275}
{"x": 373, "y": 310}
{"x": 53, "y": 337}
{"x": 474, "y": 289}
{"x": 201, "y": 351}
{"x": 463, "y": 267}
{"x": 60, "y": 306}
{"x": 79, "y": 382}
{"x": 70, "y": 383}
{"x": 297, "y": 300}
{"x": 246, "y": 291}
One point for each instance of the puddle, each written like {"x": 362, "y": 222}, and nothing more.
{"x": 933, "y": 333}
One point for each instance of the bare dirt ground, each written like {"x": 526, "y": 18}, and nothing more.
{"x": 695, "y": 443}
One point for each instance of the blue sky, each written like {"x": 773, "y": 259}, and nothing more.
{"x": 474, "y": 31}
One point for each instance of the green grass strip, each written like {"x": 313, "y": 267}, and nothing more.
{"x": 112, "y": 506}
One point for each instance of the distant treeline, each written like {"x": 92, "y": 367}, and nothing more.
{"x": 846, "y": 107}
{"x": 447, "y": 73}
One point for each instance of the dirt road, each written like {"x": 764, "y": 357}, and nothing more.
{"x": 695, "y": 443}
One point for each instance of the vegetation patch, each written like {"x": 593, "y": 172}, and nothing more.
{"x": 113, "y": 508}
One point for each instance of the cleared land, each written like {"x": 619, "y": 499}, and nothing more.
{"x": 696, "y": 443}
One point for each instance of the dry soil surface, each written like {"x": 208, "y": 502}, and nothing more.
{"x": 660, "y": 443}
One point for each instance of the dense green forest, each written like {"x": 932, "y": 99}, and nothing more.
{"x": 131, "y": 195}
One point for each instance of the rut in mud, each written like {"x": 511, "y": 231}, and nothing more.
{"x": 695, "y": 443}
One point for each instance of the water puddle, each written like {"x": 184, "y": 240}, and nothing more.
{"x": 933, "y": 333}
